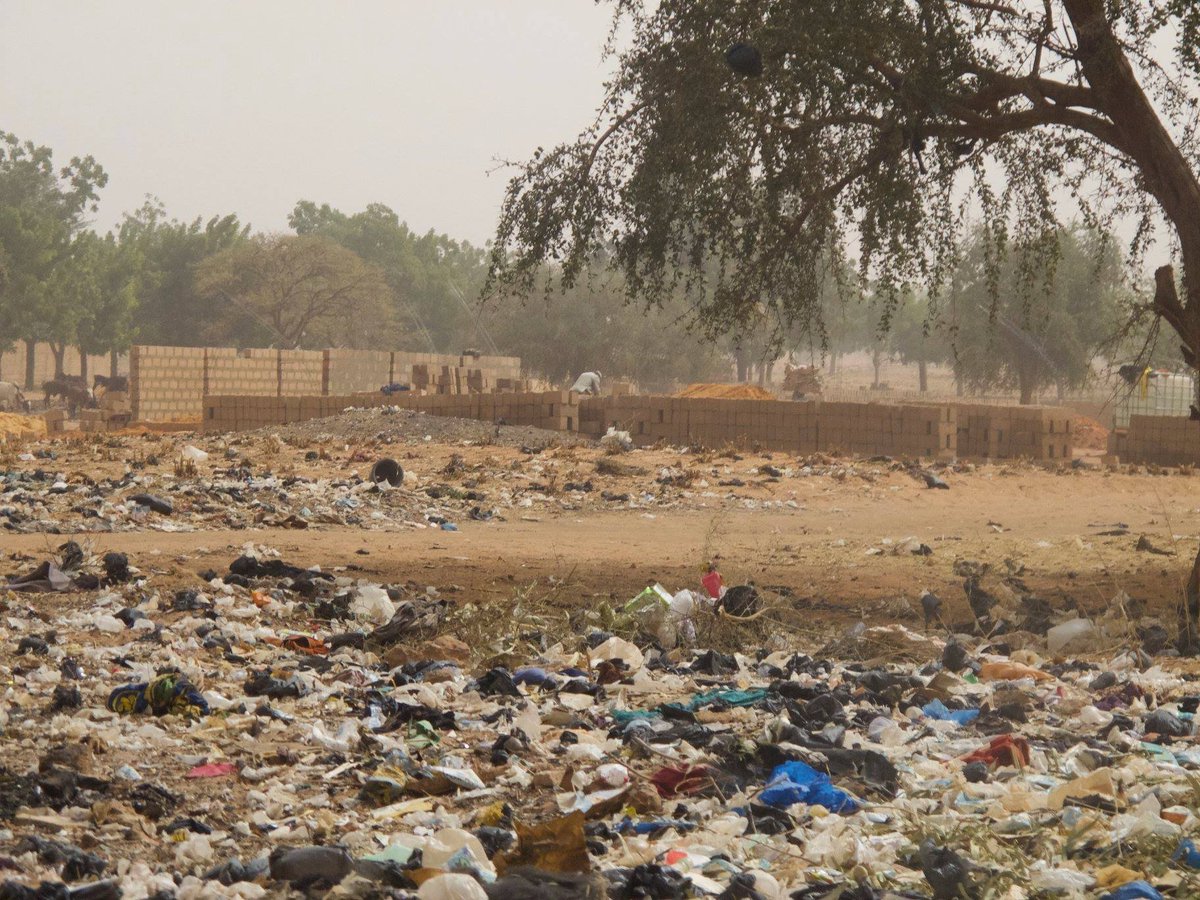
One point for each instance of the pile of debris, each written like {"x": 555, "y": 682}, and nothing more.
{"x": 276, "y": 727}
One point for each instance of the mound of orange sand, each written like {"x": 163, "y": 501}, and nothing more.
{"x": 726, "y": 392}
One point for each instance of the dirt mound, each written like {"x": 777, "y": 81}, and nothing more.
{"x": 15, "y": 423}
{"x": 726, "y": 392}
{"x": 1089, "y": 434}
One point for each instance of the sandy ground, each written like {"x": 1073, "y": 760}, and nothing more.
{"x": 832, "y": 551}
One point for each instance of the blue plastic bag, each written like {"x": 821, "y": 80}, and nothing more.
{"x": 797, "y": 782}
{"x": 733, "y": 698}
{"x": 625, "y": 716}
{"x": 1187, "y": 854}
{"x": 936, "y": 709}
{"x": 1135, "y": 890}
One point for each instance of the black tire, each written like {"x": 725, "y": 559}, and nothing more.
{"x": 387, "y": 470}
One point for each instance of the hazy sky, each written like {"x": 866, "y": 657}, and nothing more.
{"x": 247, "y": 106}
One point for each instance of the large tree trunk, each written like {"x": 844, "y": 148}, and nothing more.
{"x": 877, "y": 365}
{"x": 60, "y": 353}
{"x": 1027, "y": 384}
{"x": 30, "y": 363}
{"x": 1189, "y": 611}
{"x": 1168, "y": 176}
{"x": 1140, "y": 134}
{"x": 83, "y": 364}
{"x": 739, "y": 357}
{"x": 114, "y": 360}
{"x": 923, "y": 376}
{"x": 833, "y": 358}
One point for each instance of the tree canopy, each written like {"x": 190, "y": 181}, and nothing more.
{"x": 303, "y": 290}
{"x": 430, "y": 274}
{"x": 42, "y": 211}
{"x": 1046, "y": 336}
{"x": 751, "y": 136}
{"x": 170, "y": 309}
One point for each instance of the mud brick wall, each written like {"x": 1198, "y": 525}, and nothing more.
{"x": 927, "y": 431}
{"x": 555, "y": 410}
{"x": 166, "y": 384}
{"x": 356, "y": 371}
{"x": 1160, "y": 440}
{"x": 301, "y": 372}
{"x": 244, "y": 372}
{"x": 12, "y": 364}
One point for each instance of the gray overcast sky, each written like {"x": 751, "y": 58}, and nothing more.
{"x": 247, "y": 106}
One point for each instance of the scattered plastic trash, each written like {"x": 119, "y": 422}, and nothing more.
{"x": 275, "y": 725}
{"x": 153, "y": 503}
{"x": 798, "y": 782}
{"x": 1134, "y": 890}
{"x": 169, "y": 694}
{"x": 615, "y": 440}
{"x": 936, "y": 709}
{"x": 946, "y": 871}
{"x": 1076, "y": 631}
{"x": 195, "y": 454}
{"x": 1004, "y": 750}
{"x": 212, "y": 770}
{"x": 1187, "y": 854}
{"x": 371, "y": 603}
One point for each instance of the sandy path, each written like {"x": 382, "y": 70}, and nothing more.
{"x": 818, "y": 551}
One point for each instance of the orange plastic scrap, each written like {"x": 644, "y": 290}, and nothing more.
{"x": 261, "y": 598}
{"x": 1004, "y": 750}
{"x": 1011, "y": 671}
{"x": 301, "y": 643}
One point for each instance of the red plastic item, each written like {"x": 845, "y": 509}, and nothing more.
{"x": 712, "y": 584}
{"x": 212, "y": 770}
{"x": 674, "y": 781}
{"x": 1004, "y": 750}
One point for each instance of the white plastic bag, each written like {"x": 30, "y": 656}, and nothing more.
{"x": 371, "y": 603}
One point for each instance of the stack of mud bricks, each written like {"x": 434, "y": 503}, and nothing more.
{"x": 470, "y": 373}
{"x": 1037, "y": 433}
{"x": 1162, "y": 441}
{"x": 870, "y": 429}
{"x": 55, "y": 418}
{"x": 114, "y": 412}
{"x": 167, "y": 384}
{"x": 242, "y": 413}
{"x": 93, "y": 420}
{"x": 299, "y": 374}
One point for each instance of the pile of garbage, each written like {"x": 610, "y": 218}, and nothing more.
{"x": 167, "y": 483}
{"x": 277, "y": 728}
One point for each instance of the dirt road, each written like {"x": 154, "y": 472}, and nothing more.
{"x": 834, "y": 552}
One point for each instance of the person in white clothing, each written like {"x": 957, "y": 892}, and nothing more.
{"x": 587, "y": 383}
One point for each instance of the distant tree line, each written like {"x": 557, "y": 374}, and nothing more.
{"x": 360, "y": 280}
{"x": 366, "y": 280}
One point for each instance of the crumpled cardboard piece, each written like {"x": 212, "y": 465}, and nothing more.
{"x": 556, "y": 845}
